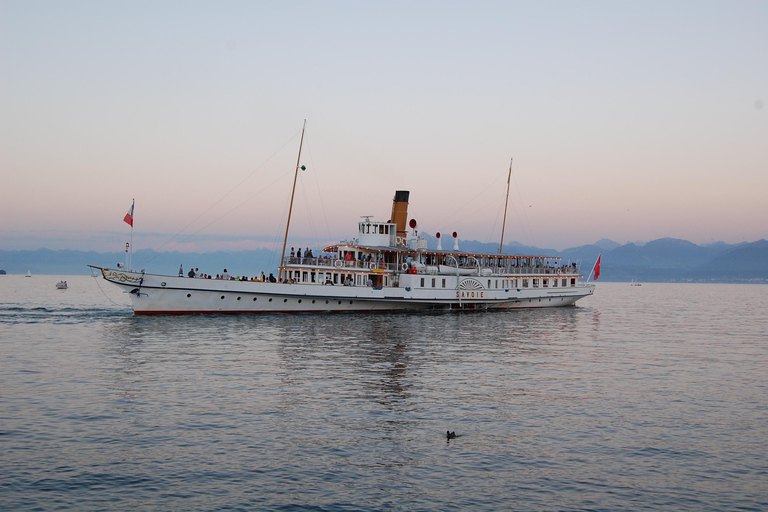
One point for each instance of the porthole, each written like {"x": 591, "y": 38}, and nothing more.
{"x": 313, "y": 301}
{"x": 222, "y": 297}
{"x": 326, "y": 302}
{"x": 270, "y": 299}
{"x": 285, "y": 300}
{"x": 238, "y": 298}
{"x": 350, "y": 302}
{"x": 189, "y": 295}
{"x": 254, "y": 299}
{"x": 339, "y": 302}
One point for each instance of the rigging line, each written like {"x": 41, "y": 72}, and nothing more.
{"x": 96, "y": 277}
{"x": 278, "y": 236}
{"x": 457, "y": 211}
{"x": 235, "y": 207}
{"x": 426, "y": 228}
{"x": 527, "y": 224}
{"x": 493, "y": 226}
{"x": 481, "y": 208}
{"x": 265, "y": 162}
{"x": 312, "y": 229}
{"x": 319, "y": 194}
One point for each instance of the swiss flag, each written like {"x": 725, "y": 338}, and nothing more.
{"x": 597, "y": 266}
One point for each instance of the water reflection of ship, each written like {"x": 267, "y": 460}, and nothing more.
{"x": 371, "y": 354}
{"x": 344, "y": 368}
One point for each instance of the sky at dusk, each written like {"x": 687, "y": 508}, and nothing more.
{"x": 630, "y": 121}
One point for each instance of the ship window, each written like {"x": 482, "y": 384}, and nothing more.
{"x": 489, "y": 284}
{"x": 222, "y": 297}
{"x": 443, "y": 283}
{"x": 554, "y": 283}
{"x": 304, "y": 277}
{"x": 565, "y": 282}
{"x": 433, "y": 282}
{"x": 189, "y": 295}
{"x": 312, "y": 275}
{"x": 254, "y": 299}
{"x": 545, "y": 283}
{"x": 422, "y": 282}
{"x": 573, "y": 282}
{"x": 525, "y": 283}
{"x": 535, "y": 283}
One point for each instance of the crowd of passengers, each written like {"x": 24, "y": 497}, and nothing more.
{"x": 301, "y": 257}
{"x": 225, "y": 276}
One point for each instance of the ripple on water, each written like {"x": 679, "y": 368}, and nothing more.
{"x": 634, "y": 400}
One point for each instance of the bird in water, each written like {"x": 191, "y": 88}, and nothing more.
{"x": 450, "y": 435}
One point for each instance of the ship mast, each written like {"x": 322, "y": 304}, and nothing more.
{"x": 506, "y": 203}
{"x": 290, "y": 208}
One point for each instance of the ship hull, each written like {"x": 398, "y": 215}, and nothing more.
{"x": 167, "y": 295}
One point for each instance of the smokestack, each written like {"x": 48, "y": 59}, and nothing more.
{"x": 400, "y": 211}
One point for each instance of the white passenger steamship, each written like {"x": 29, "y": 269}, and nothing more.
{"x": 385, "y": 268}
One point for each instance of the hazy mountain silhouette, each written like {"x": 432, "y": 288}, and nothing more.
{"x": 665, "y": 259}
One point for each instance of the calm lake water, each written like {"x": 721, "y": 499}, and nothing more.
{"x": 649, "y": 397}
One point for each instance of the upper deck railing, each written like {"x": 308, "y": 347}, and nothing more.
{"x": 333, "y": 263}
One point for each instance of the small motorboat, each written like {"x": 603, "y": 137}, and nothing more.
{"x": 61, "y": 285}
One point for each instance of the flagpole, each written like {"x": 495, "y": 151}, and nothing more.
{"x": 290, "y": 208}
{"x": 506, "y": 204}
{"x": 130, "y": 257}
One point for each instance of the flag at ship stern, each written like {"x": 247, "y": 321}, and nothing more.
{"x": 596, "y": 269}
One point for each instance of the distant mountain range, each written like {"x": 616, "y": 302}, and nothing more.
{"x": 663, "y": 260}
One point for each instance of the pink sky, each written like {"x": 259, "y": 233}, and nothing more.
{"x": 626, "y": 121}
